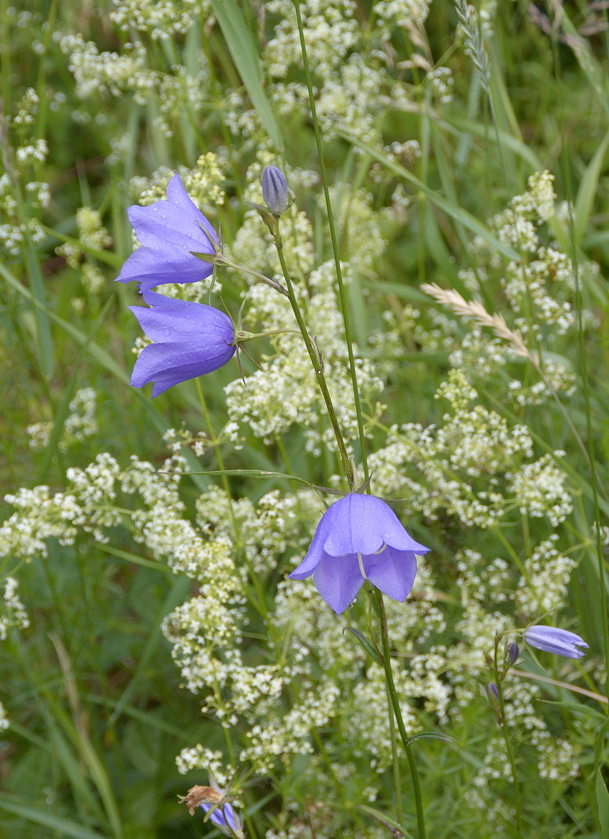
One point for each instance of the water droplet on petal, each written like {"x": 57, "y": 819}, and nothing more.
{"x": 155, "y": 209}
{"x": 163, "y": 215}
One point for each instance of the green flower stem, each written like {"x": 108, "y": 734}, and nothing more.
{"x": 339, "y": 274}
{"x": 398, "y": 716}
{"x": 316, "y": 360}
{"x": 508, "y": 742}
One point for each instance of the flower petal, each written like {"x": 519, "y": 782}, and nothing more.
{"x": 170, "y": 364}
{"x": 179, "y": 198}
{"x": 392, "y": 572}
{"x": 338, "y": 580}
{"x": 316, "y": 549}
{"x": 353, "y": 529}
{"x": 172, "y": 320}
{"x": 158, "y": 267}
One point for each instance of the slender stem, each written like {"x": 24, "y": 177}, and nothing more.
{"x": 396, "y": 763}
{"x": 591, "y": 459}
{"x": 508, "y": 743}
{"x": 339, "y": 275}
{"x": 398, "y": 716}
{"x": 316, "y": 360}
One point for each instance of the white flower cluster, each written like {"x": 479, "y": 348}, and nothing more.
{"x": 79, "y": 425}
{"x": 108, "y": 72}
{"x": 540, "y": 489}
{"x": 4, "y": 722}
{"x": 444, "y": 460}
{"x": 284, "y": 390}
{"x": 161, "y": 18}
{"x": 14, "y": 613}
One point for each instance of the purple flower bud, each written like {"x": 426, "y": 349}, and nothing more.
{"x": 190, "y": 339}
{"x": 512, "y": 652}
{"x": 360, "y": 538}
{"x": 493, "y": 695}
{"x": 169, "y": 232}
{"x": 275, "y": 190}
{"x": 554, "y": 640}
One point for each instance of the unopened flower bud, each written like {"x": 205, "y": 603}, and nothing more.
{"x": 492, "y": 694}
{"x": 275, "y": 190}
{"x": 512, "y": 651}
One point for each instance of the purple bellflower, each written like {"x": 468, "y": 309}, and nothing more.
{"x": 169, "y": 231}
{"x": 190, "y": 339}
{"x": 554, "y": 640}
{"x": 225, "y": 818}
{"x": 360, "y": 538}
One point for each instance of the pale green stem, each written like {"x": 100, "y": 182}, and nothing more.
{"x": 508, "y": 743}
{"x": 316, "y": 360}
{"x": 398, "y": 716}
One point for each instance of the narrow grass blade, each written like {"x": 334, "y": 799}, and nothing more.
{"x": 602, "y": 802}
{"x": 454, "y": 211}
{"x": 383, "y": 818}
{"x": 177, "y": 594}
{"x": 83, "y": 793}
{"x": 586, "y": 193}
{"x": 43, "y": 328}
{"x": 514, "y": 144}
{"x": 243, "y": 52}
{"x": 137, "y": 560}
{"x": 62, "y": 826}
{"x": 107, "y": 257}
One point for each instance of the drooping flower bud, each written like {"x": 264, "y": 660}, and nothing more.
{"x": 512, "y": 651}
{"x": 275, "y": 190}
{"x": 492, "y": 695}
{"x": 554, "y": 640}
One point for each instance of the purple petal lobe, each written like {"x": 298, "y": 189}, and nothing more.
{"x": 338, "y": 580}
{"x": 169, "y": 232}
{"x": 152, "y": 267}
{"x": 316, "y": 549}
{"x": 392, "y": 572}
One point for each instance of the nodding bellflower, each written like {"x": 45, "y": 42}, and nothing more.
{"x": 190, "y": 339}
{"x": 360, "y": 538}
{"x": 225, "y": 818}
{"x": 275, "y": 190}
{"x": 169, "y": 232}
{"x": 554, "y": 640}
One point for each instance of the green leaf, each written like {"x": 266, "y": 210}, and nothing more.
{"x": 108, "y": 257}
{"x": 383, "y": 818}
{"x": 602, "y": 802}
{"x": 63, "y": 827}
{"x": 451, "y": 209}
{"x": 587, "y": 191}
{"x": 514, "y": 144}
{"x": 243, "y": 52}
{"x": 44, "y": 344}
{"x": 137, "y": 560}
{"x": 178, "y": 592}
{"x": 432, "y": 735}
{"x": 366, "y": 644}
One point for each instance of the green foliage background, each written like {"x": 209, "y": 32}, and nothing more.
{"x": 94, "y": 700}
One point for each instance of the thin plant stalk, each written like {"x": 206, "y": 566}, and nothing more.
{"x": 508, "y": 742}
{"x": 339, "y": 274}
{"x": 316, "y": 361}
{"x": 398, "y": 716}
{"x": 591, "y": 456}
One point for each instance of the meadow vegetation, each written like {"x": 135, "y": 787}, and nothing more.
{"x": 149, "y": 631}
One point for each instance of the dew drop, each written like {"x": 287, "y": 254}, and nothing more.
{"x": 155, "y": 209}
{"x": 163, "y": 215}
